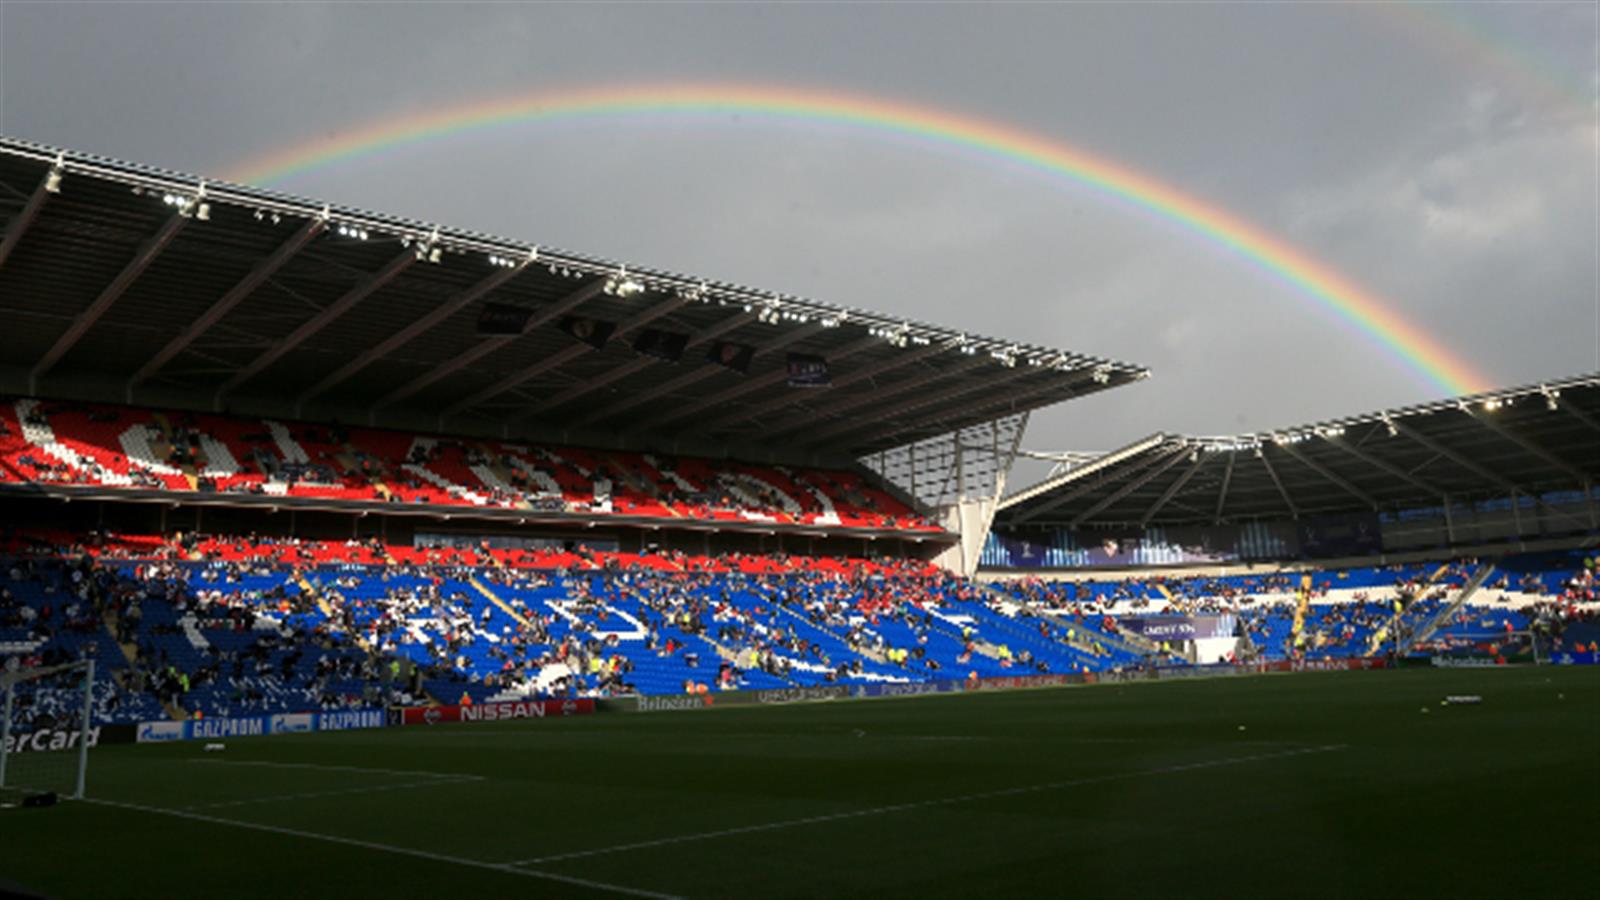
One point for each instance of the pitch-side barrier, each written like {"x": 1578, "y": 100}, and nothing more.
{"x": 501, "y": 711}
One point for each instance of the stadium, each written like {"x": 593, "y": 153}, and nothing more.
{"x": 346, "y": 554}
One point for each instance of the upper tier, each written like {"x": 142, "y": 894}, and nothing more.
{"x": 121, "y": 448}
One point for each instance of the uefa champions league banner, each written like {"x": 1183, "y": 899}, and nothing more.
{"x": 258, "y": 726}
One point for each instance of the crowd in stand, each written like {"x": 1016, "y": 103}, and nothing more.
{"x": 1317, "y": 613}
{"x": 82, "y": 444}
{"x": 230, "y": 625}
{"x": 236, "y": 624}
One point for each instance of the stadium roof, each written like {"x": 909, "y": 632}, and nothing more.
{"x": 1529, "y": 440}
{"x": 123, "y": 282}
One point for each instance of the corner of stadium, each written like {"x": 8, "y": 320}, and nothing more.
{"x": 426, "y": 560}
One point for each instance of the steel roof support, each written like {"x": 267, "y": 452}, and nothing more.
{"x": 1465, "y": 463}
{"x": 1169, "y": 493}
{"x": 1571, "y": 410}
{"x": 82, "y": 322}
{"x": 405, "y": 335}
{"x": 1480, "y": 471}
{"x": 747, "y": 387}
{"x": 1388, "y": 467}
{"x": 909, "y": 385}
{"x": 890, "y": 364}
{"x": 399, "y": 263}
{"x": 1505, "y": 432}
{"x": 1111, "y": 475}
{"x": 18, "y": 226}
{"x": 589, "y": 386}
{"x": 1326, "y": 473}
{"x": 1222, "y": 495}
{"x": 1172, "y": 459}
{"x": 1000, "y": 407}
{"x": 580, "y": 348}
{"x": 700, "y": 373}
{"x": 247, "y": 285}
{"x": 1261, "y": 454}
{"x": 825, "y": 410}
{"x": 490, "y": 344}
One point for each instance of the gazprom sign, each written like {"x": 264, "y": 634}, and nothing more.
{"x": 257, "y": 726}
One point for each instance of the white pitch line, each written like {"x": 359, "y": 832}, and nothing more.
{"x": 322, "y": 768}
{"x": 456, "y": 779}
{"x": 923, "y": 804}
{"x": 388, "y": 848}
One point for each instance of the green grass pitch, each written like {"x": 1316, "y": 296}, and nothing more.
{"x": 1338, "y": 784}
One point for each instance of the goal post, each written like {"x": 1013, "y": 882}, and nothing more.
{"x": 46, "y": 728}
{"x": 1464, "y": 648}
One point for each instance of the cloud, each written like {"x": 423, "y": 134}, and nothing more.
{"x": 1444, "y": 186}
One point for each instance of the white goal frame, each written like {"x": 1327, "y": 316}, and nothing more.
{"x": 11, "y": 678}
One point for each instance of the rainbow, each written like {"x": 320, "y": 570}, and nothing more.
{"x": 1335, "y": 294}
{"x": 1455, "y": 34}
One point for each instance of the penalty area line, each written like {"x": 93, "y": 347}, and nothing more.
{"x": 386, "y": 848}
{"x": 314, "y": 795}
{"x": 317, "y": 767}
{"x": 924, "y": 804}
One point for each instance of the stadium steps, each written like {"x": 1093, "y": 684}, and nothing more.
{"x": 1382, "y": 633}
{"x": 1124, "y": 641}
{"x": 863, "y": 651}
{"x": 130, "y": 652}
{"x": 1303, "y": 606}
{"x": 163, "y": 450}
{"x": 1479, "y": 578}
{"x": 1171, "y": 601}
{"x": 492, "y": 597}
{"x": 320, "y": 595}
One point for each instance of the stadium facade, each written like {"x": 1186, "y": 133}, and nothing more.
{"x": 1492, "y": 472}
{"x": 265, "y": 459}
{"x": 145, "y": 288}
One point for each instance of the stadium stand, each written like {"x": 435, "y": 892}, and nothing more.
{"x": 1343, "y": 612}
{"x": 225, "y": 626}
{"x": 64, "y": 443}
{"x": 527, "y": 509}
{"x": 218, "y": 626}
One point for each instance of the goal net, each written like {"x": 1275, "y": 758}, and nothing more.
{"x": 46, "y": 714}
{"x": 1486, "y": 648}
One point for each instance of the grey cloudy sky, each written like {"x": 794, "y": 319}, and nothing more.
{"x": 1443, "y": 156}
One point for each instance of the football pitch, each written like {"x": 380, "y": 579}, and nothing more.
{"x": 1327, "y": 784}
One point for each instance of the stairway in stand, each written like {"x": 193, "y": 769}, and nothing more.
{"x": 1300, "y": 610}
{"x": 1425, "y": 632}
{"x": 130, "y": 652}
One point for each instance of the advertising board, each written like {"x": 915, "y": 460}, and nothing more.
{"x": 257, "y": 726}
{"x": 496, "y": 712}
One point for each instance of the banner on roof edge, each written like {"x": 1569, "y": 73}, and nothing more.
{"x": 663, "y": 345}
{"x": 502, "y": 319}
{"x": 808, "y": 371}
{"x": 1356, "y": 534}
{"x": 732, "y": 356}
{"x": 593, "y": 332}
